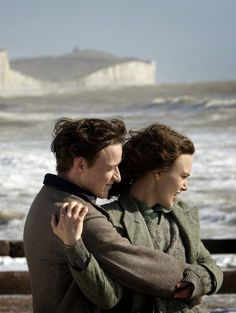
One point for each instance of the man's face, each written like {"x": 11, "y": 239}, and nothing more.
{"x": 173, "y": 182}
{"x": 99, "y": 177}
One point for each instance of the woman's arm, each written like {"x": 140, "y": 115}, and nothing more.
{"x": 206, "y": 276}
{"x": 95, "y": 284}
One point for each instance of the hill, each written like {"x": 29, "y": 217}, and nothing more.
{"x": 68, "y": 67}
{"x": 80, "y": 69}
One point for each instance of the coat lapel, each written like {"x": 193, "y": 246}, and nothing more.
{"x": 134, "y": 223}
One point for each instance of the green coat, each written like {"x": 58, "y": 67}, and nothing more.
{"x": 129, "y": 222}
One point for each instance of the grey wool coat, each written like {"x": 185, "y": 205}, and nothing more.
{"x": 54, "y": 288}
{"x": 129, "y": 222}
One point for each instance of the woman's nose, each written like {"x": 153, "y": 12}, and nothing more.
{"x": 185, "y": 186}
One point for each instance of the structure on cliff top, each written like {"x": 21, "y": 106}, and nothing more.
{"x": 79, "y": 69}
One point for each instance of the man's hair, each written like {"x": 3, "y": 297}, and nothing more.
{"x": 155, "y": 147}
{"x": 85, "y": 138}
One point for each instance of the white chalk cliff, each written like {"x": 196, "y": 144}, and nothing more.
{"x": 12, "y": 81}
{"x": 79, "y": 69}
{"x": 132, "y": 73}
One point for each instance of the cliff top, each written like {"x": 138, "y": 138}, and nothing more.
{"x": 71, "y": 66}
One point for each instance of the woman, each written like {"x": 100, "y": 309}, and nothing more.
{"x": 157, "y": 162}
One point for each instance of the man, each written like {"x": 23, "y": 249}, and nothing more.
{"x": 88, "y": 153}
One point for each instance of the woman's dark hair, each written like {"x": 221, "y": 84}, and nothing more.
{"x": 155, "y": 147}
{"x": 85, "y": 138}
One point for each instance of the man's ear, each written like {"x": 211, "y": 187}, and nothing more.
{"x": 157, "y": 174}
{"x": 79, "y": 163}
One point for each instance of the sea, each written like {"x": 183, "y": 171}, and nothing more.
{"x": 205, "y": 112}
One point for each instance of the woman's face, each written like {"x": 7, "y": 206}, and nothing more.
{"x": 174, "y": 181}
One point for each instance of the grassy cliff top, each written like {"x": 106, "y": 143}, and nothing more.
{"x": 71, "y": 66}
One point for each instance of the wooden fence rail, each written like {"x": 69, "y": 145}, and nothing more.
{"x": 17, "y": 282}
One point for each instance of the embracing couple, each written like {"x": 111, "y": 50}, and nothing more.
{"x": 139, "y": 253}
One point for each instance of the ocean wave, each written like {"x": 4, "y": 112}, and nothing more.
{"x": 219, "y": 217}
{"x": 221, "y": 102}
{"x": 182, "y": 99}
{"x": 189, "y": 100}
{"x": 225, "y": 260}
{"x": 5, "y": 216}
{"x": 22, "y": 116}
{"x": 7, "y": 118}
{"x": 216, "y": 232}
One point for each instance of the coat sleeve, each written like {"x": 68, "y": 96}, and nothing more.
{"x": 138, "y": 268}
{"x": 205, "y": 259}
{"x": 206, "y": 276}
{"x": 95, "y": 284}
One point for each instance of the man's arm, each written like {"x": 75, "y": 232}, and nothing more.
{"x": 91, "y": 279}
{"x": 144, "y": 270}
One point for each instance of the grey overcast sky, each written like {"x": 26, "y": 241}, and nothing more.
{"x": 190, "y": 40}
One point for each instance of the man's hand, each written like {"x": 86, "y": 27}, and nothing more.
{"x": 70, "y": 225}
{"x": 183, "y": 290}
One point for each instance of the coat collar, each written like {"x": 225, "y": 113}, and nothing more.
{"x": 63, "y": 184}
{"x": 134, "y": 222}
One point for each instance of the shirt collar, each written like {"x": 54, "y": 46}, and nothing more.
{"x": 65, "y": 185}
{"x": 156, "y": 208}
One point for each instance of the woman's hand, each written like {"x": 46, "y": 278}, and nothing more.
{"x": 183, "y": 290}
{"x": 69, "y": 227}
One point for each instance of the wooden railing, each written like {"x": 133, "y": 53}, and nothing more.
{"x": 17, "y": 282}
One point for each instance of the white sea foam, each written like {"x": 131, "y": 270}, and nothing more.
{"x": 20, "y": 116}
{"x": 12, "y": 264}
{"x": 225, "y": 260}
{"x": 22, "y": 167}
{"x": 208, "y": 102}
{"x": 221, "y": 102}
{"x": 182, "y": 99}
